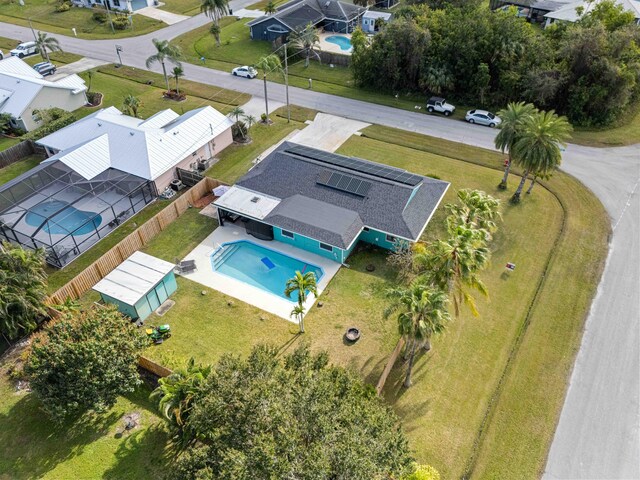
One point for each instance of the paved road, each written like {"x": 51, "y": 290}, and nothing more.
{"x": 598, "y": 436}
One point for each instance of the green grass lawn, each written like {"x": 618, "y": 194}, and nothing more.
{"x": 15, "y": 169}
{"x": 44, "y": 17}
{"x": 182, "y": 7}
{"x": 32, "y": 447}
{"x": 6, "y": 142}
{"x": 626, "y": 131}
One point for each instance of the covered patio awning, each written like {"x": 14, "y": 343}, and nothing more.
{"x": 247, "y": 202}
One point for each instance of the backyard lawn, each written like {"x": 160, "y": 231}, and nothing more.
{"x": 44, "y": 17}
{"x": 182, "y": 7}
{"x": 12, "y": 171}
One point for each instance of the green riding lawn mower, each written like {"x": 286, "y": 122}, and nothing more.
{"x": 159, "y": 334}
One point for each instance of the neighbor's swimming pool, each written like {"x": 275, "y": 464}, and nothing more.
{"x": 343, "y": 42}
{"x": 259, "y": 266}
{"x": 67, "y": 220}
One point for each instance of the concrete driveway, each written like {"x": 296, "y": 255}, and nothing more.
{"x": 81, "y": 65}
{"x": 328, "y": 132}
{"x": 169, "y": 18}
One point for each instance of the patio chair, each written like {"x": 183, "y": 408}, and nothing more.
{"x": 186, "y": 266}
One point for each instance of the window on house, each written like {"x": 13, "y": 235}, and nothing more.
{"x": 116, "y": 3}
{"x": 326, "y": 247}
{"x": 391, "y": 238}
{"x": 288, "y": 234}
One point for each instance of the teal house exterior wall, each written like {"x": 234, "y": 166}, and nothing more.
{"x": 148, "y": 303}
{"x": 337, "y": 254}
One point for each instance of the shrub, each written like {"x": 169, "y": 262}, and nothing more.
{"x": 121, "y": 22}
{"x": 99, "y": 15}
{"x": 51, "y": 127}
{"x": 423, "y": 472}
{"x": 84, "y": 361}
{"x": 239, "y": 131}
{"x": 63, "y": 7}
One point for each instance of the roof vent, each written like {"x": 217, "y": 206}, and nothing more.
{"x": 255, "y": 199}
{"x": 131, "y": 133}
{"x": 99, "y": 124}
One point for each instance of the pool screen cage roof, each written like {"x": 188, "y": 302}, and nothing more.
{"x": 53, "y": 207}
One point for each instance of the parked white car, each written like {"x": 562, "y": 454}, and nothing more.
{"x": 483, "y": 117}
{"x": 247, "y": 72}
{"x": 440, "y": 105}
{"x": 25, "y": 49}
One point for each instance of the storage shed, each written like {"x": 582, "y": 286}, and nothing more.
{"x": 139, "y": 285}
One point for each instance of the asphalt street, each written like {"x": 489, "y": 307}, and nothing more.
{"x": 598, "y": 436}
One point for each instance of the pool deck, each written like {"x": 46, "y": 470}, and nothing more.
{"x": 332, "y": 47}
{"x": 248, "y": 293}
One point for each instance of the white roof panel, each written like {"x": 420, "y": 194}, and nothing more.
{"x": 146, "y": 148}
{"x": 89, "y": 159}
{"x": 134, "y": 278}
{"x": 247, "y": 202}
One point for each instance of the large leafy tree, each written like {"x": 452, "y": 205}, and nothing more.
{"x": 537, "y": 149}
{"x": 513, "y": 121}
{"x": 292, "y": 417}
{"x": 301, "y": 285}
{"x": 23, "y": 289}
{"x": 422, "y": 312}
{"x": 175, "y": 393}
{"x": 268, "y": 64}
{"x": 305, "y": 41}
{"x": 47, "y": 44}
{"x": 165, "y": 52}
{"x": 215, "y": 9}
{"x": 84, "y": 361}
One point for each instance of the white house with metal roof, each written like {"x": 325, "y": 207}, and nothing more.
{"x": 23, "y": 91}
{"x": 151, "y": 149}
{"x": 574, "y": 10}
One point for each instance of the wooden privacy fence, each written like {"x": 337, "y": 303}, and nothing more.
{"x": 133, "y": 242}
{"x": 153, "y": 367}
{"x": 18, "y": 152}
{"x": 389, "y": 366}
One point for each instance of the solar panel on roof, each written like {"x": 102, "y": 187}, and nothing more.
{"x": 351, "y": 163}
{"x": 344, "y": 183}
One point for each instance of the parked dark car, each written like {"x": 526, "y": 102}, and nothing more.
{"x": 45, "y": 68}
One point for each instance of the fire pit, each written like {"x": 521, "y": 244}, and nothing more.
{"x": 352, "y": 334}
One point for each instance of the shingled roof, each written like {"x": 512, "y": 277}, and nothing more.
{"x": 299, "y": 13}
{"x": 335, "y": 216}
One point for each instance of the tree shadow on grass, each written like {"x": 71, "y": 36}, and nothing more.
{"x": 31, "y": 445}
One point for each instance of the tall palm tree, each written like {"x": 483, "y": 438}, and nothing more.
{"x": 177, "y": 73}
{"x": 175, "y": 393}
{"x": 215, "y": 10}
{"x": 513, "y": 119}
{"x": 422, "y": 313}
{"x": 131, "y": 105}
{"x": 236, "y": 113}
{"x": 44, "y": 43}
{"x": 301, "y": 284}
{"x": 215, "y": 30}
{"x": 453, "y": 265}
{"x": 305, "y": 40}
{"x": 270, "y": 8}
{"x": 437, "y": 80}
{"x": 165, "y": 52}
{"x": 249, "y": 121}
{"x": 268, "y": 63}
{"x": 537, "y": 148}
{"x": 476, "y": 209}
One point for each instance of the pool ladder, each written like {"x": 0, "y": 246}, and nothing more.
{"x": 220, "y": 255}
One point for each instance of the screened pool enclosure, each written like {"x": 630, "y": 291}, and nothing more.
{"x": 53, "y": 207}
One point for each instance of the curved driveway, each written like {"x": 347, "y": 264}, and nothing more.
{"x": 598, "y": 436}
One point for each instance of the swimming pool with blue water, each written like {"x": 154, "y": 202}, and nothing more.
{"x": 343, "y": 42}
{"x": 64, "y": 218}
{"x": 260, "y": 267}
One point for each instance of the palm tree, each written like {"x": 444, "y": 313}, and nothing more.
{"x": 215, "y": 30}
{"x": 305, "y": 40}
{"x": 270, "y": 8}
{"x": 44, "y": 43}
{"x": 537, "y": 148}
{"x": 131, "y": 105}
{"x": 268, "y": 64}
{"x": 23, "y": 289}
{"x": 177, "y": 73}
{"x": 476, "y": 209}
{"x": 513, "y": 119}
{"x": 165, "y": 52}
{"x": 453, "y": 265}
{"x": 301, "y": 284}
{"x": 175, "y": 393}
{"x": 437, "y": 80}
{"x": 215, "y": 9}
{"x": 236, "y": 113}
{"x": 422, "y": 313}
{"x": 90, "y": 74}
{"x": 250, "y": 121}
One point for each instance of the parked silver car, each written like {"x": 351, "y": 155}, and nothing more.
{"x": 45, "y": 68}
{"x": 482, "y": 117}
